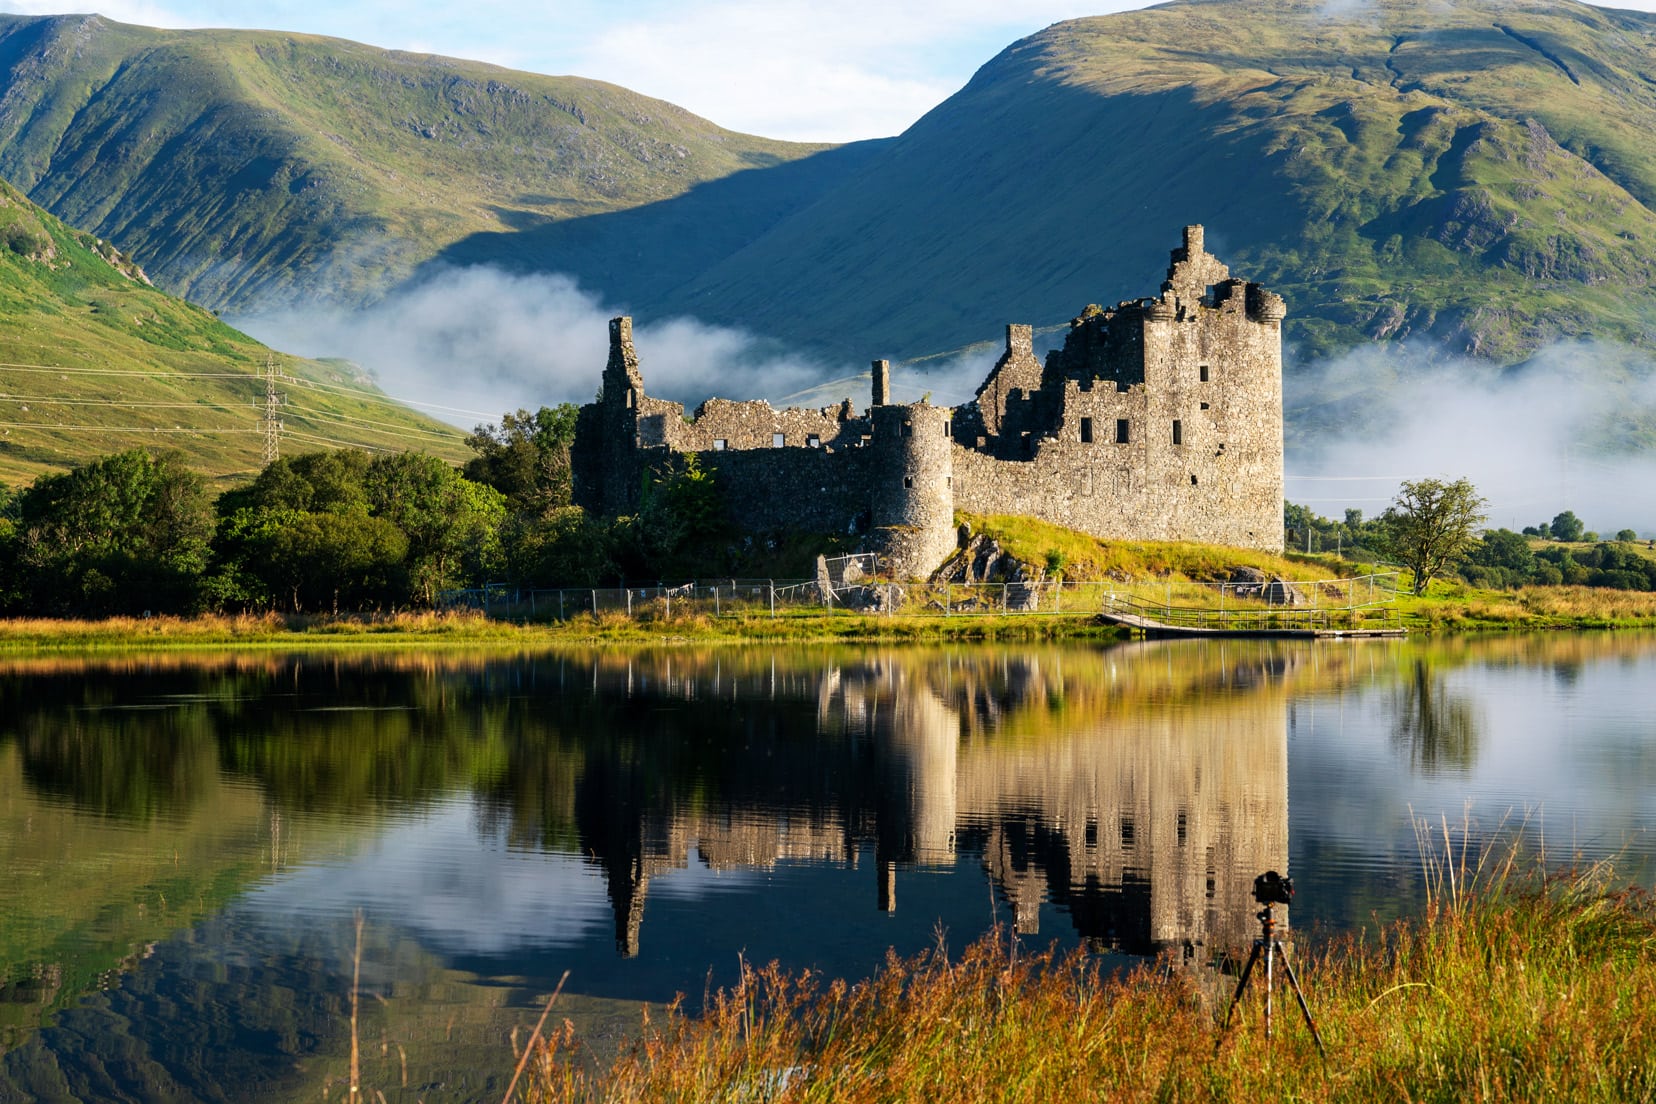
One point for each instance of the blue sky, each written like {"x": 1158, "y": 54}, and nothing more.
{"x": 800, "y": 69}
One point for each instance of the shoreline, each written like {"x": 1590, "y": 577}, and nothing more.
{"x": 1538, "y": 609}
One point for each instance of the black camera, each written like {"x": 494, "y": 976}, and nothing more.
{"x": 1271, "y": 888}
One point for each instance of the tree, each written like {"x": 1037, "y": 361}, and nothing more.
{"x": 122, "y": 534}
{"x": 1567, "y": 527}
{"x": 452, "y": 524}
{"x": 1626, "y": 535}
{"x": 526, "y": 458}
{"x": 1430, "y": 524}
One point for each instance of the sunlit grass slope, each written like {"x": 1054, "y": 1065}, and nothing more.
{"x": 93, "y": 360}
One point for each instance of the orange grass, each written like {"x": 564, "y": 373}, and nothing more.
{"x": 1507, "y": 988}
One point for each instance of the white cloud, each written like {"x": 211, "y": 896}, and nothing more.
{"x": 121, "y": 11}
{"x": 1524, "y": 437}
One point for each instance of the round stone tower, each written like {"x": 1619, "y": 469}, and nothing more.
{"x": 912, "y": 493}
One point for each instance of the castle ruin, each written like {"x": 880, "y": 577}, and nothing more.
{"x": 1158, "y": 419}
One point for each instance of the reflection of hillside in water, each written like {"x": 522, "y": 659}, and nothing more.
{"x": 1140, "y": 789}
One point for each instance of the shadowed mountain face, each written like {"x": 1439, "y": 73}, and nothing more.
{"x": 1472, "y": 173}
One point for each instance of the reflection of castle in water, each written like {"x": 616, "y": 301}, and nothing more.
{"x": 1139, "y": 789}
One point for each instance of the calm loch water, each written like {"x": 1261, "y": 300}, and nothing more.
{"x": 186, "y": 843}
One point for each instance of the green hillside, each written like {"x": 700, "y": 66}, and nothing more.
{"x": 252, "y": 167}
{"x": 94, "y": 360}
{"x": 1472, "y": 175}
{"x": 1475, "y": 172}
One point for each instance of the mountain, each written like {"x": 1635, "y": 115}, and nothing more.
{"x": 93, "y": 360}
{"x": 1473, "y": 175}
{"x": 254, "y": 168}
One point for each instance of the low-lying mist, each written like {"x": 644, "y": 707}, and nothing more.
{"x": 469, "y": 344}
{"x": 1572, "y": 428}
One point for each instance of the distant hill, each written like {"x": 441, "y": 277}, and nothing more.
{"x": 1475, "y": 175}
{"x": 248, "y": 167}
{"x": 94, "y": 360}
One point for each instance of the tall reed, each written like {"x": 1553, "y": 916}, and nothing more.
{"x": 1513, "y": 984}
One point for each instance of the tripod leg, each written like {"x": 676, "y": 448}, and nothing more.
{"x": 1241, "y": 984}
{"x": 1270, "y": 960}
{"x": 1293, "y": 979}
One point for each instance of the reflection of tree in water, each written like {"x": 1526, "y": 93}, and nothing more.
{"x": 1436, "y": 728}
{"x": 134, "y": 764}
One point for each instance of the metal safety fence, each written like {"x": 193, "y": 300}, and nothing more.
{"x": 1173, "y": 602}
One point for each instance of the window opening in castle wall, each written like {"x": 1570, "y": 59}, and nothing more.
{"x": 1204, "y": 373}
{"x": 1123, "y": 435}
{"x": 778, "y": 440}
{"x": 720, "y": 444}
{"x": 813, "y": 441}
{"x": 1178, "y": 432}
{"x": 1086, "y": 431}
{"x": 908, "y": 481}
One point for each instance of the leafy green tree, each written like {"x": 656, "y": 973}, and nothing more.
{"x": 302, "y": 537}
{"x": 123, "y": 534}
{"x": 526, "y": 458}
{"x": 680, "y": 520}
{"x": 1430, "y": 524}
{"x": 563, "y": 548}
{"x": 452, "y": 524}
{"x": 1567, "y": 527}
{"x": 1501, "y": 559}
{"x": 1626, "y": 535}
{"x": 304, "y": 561}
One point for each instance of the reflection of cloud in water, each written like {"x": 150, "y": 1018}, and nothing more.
{"x": 461, "y": 889}
{"x": 1528, "y": 753}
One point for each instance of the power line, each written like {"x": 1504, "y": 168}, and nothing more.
{"x": 122, "y": 429}
{"x": 370, "y": 397}
{"x": 451, "y": 434}
{"x": 48, "y": 369}
{"x": 116, "y": 402}
{"x": 297, "y": 436}
{"x": 251, "y": 377}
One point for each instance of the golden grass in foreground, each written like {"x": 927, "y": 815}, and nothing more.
{"x": 1537, "y": 989}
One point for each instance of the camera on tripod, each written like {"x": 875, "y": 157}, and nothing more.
{"x": 1271, "y": 888}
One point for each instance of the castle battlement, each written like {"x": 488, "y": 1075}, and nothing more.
{"x": 1158, "y": 419}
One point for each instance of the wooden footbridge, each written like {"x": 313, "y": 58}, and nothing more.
{"x": 1376, "y": 616}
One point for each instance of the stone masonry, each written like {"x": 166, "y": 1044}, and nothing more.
{"x": 1158, "y": 419}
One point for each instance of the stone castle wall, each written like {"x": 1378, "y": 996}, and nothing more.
{"x": 1158, "y": 419}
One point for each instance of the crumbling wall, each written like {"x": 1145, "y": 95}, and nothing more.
{"x": 1158, "y": 419}
{"x": 794, "y": 488}
{"x": 1015, "y": 376}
